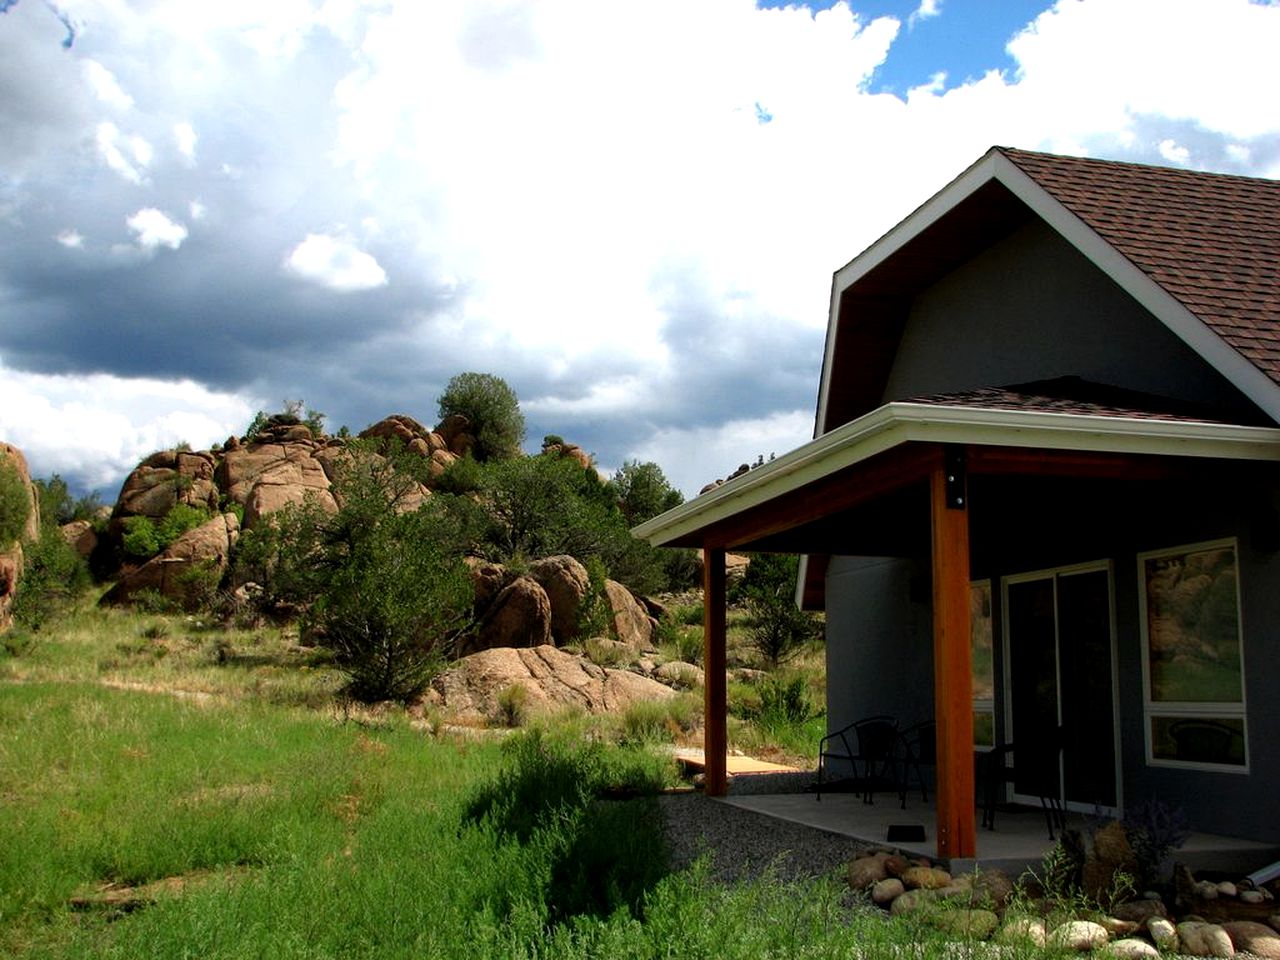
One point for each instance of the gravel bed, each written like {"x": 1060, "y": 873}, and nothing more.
{"x": 744, "y": 844}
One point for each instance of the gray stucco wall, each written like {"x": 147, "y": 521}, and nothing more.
{"x": 880, "y": 651}
{"x": 1033, "y": 308}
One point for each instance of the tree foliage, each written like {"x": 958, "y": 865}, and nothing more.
{"x": 777, "y": 627}
{"x": 53, "y": 574}
{"x": 642, "y": 491}
{"x": 15, "y": 503}
{"x": 493, "y": 409}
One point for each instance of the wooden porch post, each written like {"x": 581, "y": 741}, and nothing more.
{"x": 715, "y": 742}
{"x": 952, "y": 666}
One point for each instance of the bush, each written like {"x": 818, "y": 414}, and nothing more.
{"x": 776, "y": 626}
{"x": 53, "y": 575}
{"x": 493, "y": 410}
{"x": 15, "y": 503}
{"x": 392, "y": 611}
{"x": 143, "y": 537}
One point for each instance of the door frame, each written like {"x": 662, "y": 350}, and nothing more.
{"x": 1006, "y": 679}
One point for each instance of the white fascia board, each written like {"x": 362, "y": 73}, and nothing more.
{"x": 897, "y": 423}
{"x": 1193, "y": 331}
{"x": 923, "y": 217}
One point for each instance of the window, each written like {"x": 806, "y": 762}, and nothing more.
{"x": 984, "y": 682}
{"x": 1193, "y": 664}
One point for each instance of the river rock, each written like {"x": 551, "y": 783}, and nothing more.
{"x": 1022, "y": 930}
{"x": 1081, "y": 935}
{"x": 865, "y": 872}
{"x": 884, "y": 892}
{"x": 927, "y": 878}
{"x": 1139, "y": 911}
{"x": 1163, "y": 933}
{"x": 1249, "y": 936}
{"x": 1201, "y": 939}
{"x": 1131, "y": 948}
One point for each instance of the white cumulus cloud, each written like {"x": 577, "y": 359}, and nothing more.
{"x": 335, "y": 263}
{"x": 154, "y": 229}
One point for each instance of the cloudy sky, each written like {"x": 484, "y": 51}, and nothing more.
{"x": 631, "y": 212}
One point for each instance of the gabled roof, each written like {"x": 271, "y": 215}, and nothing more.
{"x": 1200, "y": 251}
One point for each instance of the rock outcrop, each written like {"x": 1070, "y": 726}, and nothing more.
{"x": 630, "y": 621}
{"x": 520, "y": 616}
{"x": 11, "y": 554}
{"x": 180, "y": 573}
{"x": 550, "y": 677}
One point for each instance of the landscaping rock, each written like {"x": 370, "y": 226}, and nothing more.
{"x": 884, "y": 892}
{"x": 926, "y": 878}
{"x": 896, "y": 865}
{"x": 1080, "y": 935}
{"x": 1117, "y": 928}
{"x": 1131, "y": 948}
{"x": 865, "y": 872}
{"x": 1227, "y": 889}
{"x": 1201, "y": 939}
{"x": 1258, "y": 939}
{"x": 1163, "y": 934}
{"x": 995, "y": 886}
{"x": 912, "y": 900}
{"x": 1023, "y": 930}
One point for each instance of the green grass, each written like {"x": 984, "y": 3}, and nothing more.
{"x": 136, "y": 749}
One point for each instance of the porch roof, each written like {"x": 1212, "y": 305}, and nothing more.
{"x": 834, "y": 470}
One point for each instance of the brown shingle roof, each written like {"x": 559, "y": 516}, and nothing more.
{"x": 1072, "y": 395}
{"x": 1211, "y": 240}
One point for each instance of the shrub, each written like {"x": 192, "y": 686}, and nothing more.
{"x": 784, "y": 701}
{"x": 776, "y": 626}
{"x": 144, "y": 537}
{"x": 493, "y": 410}
{"x": 53, "y": 575}
{"x": 15, "y": 503}
{"x": 392, "y": 610}
{"x": 513, "y": 705}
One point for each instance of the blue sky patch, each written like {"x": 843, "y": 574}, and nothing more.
{"x": 964, "y": 40}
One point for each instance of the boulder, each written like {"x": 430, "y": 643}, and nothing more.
{"x": 677, "y": 673}
{"x": 176, "y": 573}
{"x": 913, "y": 900}
{"x": 1248, "y": 936}
{"x": 283, "y": 483}
{"x": 80, "y": 537}
{"x": 567, "y": 584}
{"x": 398, "y": 426}
{"x": 11, "y": 554}
{"x": 520, "y": 616}
{"x": 487, "y": 579}
{"x": 994, "y": 885}
{"x": 631, "y": 623}
{"x": 551, "y": 677}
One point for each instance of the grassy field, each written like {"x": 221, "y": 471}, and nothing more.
{"x": 171, "y": 790}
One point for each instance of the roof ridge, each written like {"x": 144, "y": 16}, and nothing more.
{"x": 1057, "y": 159}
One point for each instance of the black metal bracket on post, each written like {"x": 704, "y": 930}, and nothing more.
{"x": 953, "y": 468}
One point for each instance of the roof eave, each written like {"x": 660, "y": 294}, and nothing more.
{"x": 897, "y": 423}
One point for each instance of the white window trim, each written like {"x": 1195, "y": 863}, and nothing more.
{"x": 1194, "y": 709}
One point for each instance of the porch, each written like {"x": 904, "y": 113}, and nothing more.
{"x": 1020, "y": 839}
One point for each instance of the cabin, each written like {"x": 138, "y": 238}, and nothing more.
{"x": 1042, "y": 501}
